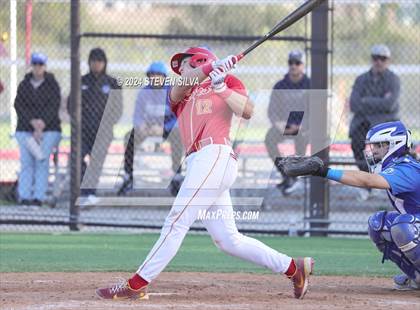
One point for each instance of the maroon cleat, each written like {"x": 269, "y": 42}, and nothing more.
{"x": 300, "y": 280}
{"x": 122, "y": 290}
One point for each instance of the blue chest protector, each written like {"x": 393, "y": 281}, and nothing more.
{"x": 403, "y": 176}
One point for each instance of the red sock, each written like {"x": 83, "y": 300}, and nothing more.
{"x": 291, "y": 270}
{"x": 137, "y": 282}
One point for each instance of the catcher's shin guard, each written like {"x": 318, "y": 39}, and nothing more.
{"x": 380, "y": 225}
{"x": 405, "y": 232}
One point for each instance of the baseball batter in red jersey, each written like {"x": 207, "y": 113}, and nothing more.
{"x": 204, "y": 113}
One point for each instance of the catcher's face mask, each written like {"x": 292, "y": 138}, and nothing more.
{"x": 374, "y": 153}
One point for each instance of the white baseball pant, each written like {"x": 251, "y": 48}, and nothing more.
{"x": 211, "y": 171}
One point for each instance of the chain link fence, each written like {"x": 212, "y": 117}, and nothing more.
{"x": 131, "y": 168}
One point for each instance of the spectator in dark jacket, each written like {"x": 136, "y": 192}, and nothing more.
{"x": 287, "y": 96}
{"x": 38, "y": 129}
{"x": 101, "y": 110}
{"x": 374, "y": 100}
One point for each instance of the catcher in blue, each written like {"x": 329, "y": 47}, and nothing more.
{"x": 395, "y": 233}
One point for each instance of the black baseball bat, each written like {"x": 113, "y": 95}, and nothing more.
{"x": 290, "y": 19}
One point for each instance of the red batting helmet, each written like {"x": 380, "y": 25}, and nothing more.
{"x": 199, "y": 56}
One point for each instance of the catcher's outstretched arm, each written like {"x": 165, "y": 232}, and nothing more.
{"x": 301, "y": 165}
{"x": 360, "y": 179}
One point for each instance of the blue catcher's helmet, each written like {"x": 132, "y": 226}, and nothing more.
{"x": 157, "y": 67}
{"x": 385, "y": 142}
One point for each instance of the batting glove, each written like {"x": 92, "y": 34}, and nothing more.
{"x": 228, "y": 63}
{"x": 217, "y": 77}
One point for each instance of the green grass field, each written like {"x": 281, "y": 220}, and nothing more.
{"x": 30, "y": 252}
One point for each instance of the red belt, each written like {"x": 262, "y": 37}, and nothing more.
{"x": 210, "y": 140}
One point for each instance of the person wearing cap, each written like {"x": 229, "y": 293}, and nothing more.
{"x": 204, "y": 112}
{"x": 287, "y": 95}
{"x": 101, "y": 110}
{"x": 373, "y": 100}
{"x": 153, "y": 117}
{"x": 38, "y": 129}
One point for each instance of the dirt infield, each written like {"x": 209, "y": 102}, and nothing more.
{"x": 202, "y": 291}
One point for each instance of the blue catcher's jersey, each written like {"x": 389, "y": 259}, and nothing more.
{"x": 403, "y": 176}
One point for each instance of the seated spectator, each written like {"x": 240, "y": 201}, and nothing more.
{"x": 284, "y": 98}
{"x": 38, "y": 129}
{"x": 153, "y": 117}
